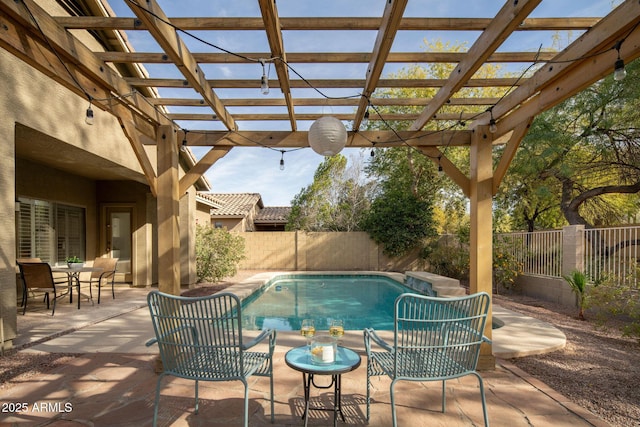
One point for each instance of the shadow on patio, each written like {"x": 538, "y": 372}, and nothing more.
{"x": 111, "y": 381}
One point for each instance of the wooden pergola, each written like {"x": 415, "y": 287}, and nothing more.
{"x": 115, "y": 79}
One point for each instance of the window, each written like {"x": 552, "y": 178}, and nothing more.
{"x": 49, "y": 231}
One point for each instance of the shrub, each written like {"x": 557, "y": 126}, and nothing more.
{"x": 506, "y": 267}
{"x": 618, "y": 300}
{"x": 579, "y": 285}
{"x": 218, "y": 253}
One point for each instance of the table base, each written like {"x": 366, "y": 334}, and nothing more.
{"x": 307, "y": 380}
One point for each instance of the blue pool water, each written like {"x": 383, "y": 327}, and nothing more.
{"x": 362, "y": 301}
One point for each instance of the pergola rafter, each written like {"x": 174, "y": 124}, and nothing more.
{"x": 115, "y": 79}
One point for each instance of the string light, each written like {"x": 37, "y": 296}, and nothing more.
{"x": 493, "y": 128}
{"x": 183, "y": 147}
{"x": 373, "y": 152}
{"x": 365, "y": 119}
{"x": 264, "y": 80}
{"x": 440, "y": 170}
{"x": 619, "y": 73}
{"x": 282, "y": 160}
{"x": 89, "y": 115}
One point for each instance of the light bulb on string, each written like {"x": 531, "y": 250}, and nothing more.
{"x": 183, "y": 147}
{"x": 282, "y": 160}
{"x": 440, "y": 170}
{"x": 264, "y": 80}
{"x": 365, "y": 119}
{"x": 619, "y": 72}
{"x": 89, "y": 114}
{"x": 493, "y": 128}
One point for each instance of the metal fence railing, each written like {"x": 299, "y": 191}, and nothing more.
{"x": 613, "y": 255}
{"x": 610, "y": 255}
{"x": 538, "y": 253}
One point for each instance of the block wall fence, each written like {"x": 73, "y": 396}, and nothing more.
{"x": 301, "y": 251}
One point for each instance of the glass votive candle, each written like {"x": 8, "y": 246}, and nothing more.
{"x": 323, "y": 350}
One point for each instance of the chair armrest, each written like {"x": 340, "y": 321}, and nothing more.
{"x": 370, "y": 335}
{"x": 271, "y": 333}
{"x": 487, "y": 340}
{"x": 194, "y": 334}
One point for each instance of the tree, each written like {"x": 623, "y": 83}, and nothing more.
{"x": 335, "y": 200}
{"x": 399, "y": 221}
{"x": 580, "y": 162}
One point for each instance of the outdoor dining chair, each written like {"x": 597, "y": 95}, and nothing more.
{"x": 200, "y": 338}
{"x": 435, "y": 339}
{"x": 37, "y": 277}
{"x": 107, "y": 274}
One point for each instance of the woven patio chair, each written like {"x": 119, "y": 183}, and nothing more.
{"x": 108, "y": 274}
{"x": 435, "y": 339}
{"x": 200, "y": 338}
{"x": 37, "y": 277}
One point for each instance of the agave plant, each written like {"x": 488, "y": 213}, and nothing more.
{"x": 578, "y": 282}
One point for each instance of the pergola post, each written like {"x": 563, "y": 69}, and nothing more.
{"x": 168, "y": 212}
{"x": 481, "y": 244}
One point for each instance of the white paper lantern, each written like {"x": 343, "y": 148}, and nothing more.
{"x": 327, "y": 136}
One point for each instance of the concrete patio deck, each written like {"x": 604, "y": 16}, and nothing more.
{"x": 112, "y": 382}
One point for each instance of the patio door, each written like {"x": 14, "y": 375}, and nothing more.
{"x": 116, "y": 242}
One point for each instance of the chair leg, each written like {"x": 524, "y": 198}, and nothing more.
{"x": 484, "y": 401}
{"x": 197, "y": 404}
{"x": 444, "y": 396}
{"x": 246, "y": 403}
{"x": 271, "y": 387}
{"x": 157, "y": 401}
{"x": 368, "y": 391}
{"x": 113, "y": 291}
{"x": 393, "y": 405}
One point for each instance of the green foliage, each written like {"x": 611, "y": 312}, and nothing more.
{"x": 506, "y": 268}
{"x": 619, "y": 300}
{"x": 73, "y": 259}
{"x": 335, "y": 200}
{"x": 218, "y": 253}
{"x": 579, "y": 162}
{"x": 579, "y": 285}
{"x": 449, "y": 256}
{"x": 399, "y": 221}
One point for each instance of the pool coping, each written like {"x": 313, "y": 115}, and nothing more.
{"x": 518, "y": 335}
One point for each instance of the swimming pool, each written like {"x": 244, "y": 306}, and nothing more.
{"x": 362, "y": 301}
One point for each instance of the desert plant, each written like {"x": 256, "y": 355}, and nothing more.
{"x": 579, "y": 283}
{"x": 218, "y": 253}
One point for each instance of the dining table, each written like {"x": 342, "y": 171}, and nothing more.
{"x": 73, "y": 275}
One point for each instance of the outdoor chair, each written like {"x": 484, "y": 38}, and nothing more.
{"x": 200, "y": 338}
{"x": 37, "y": 277}
{"x": 435, "y": 339}
{"x": 108, "y": 274}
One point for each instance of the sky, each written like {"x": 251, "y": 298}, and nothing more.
{"x": 257, "y": 169}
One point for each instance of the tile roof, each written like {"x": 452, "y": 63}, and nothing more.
{"x": 234, "y": 204}
{"x": 273, "y": 214}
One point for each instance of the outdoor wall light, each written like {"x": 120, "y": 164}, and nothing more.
{"x": 327, "y": 136}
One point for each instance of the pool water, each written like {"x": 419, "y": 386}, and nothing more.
{"x": 361, "y": 301}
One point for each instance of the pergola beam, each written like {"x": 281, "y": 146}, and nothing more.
{"x": 592, "y": 47}
{"x": 326, "y": 24}
{"x": 505, "y": 22}
{"x": 274, "y": 35}
{"x": 363, "y": 139}
{"x": 386, "y": 34}
{"x": 168, "y": 38}
{"x": 328, "y": 57}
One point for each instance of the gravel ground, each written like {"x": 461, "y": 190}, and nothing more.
{"x": 599, "y": 369}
